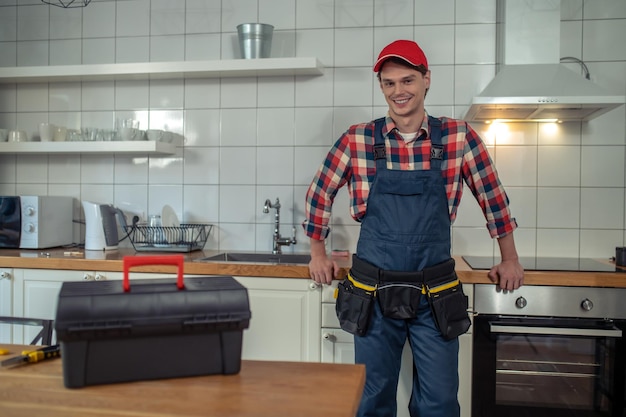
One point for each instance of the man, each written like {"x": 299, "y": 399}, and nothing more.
{"x": 404, "y": 173}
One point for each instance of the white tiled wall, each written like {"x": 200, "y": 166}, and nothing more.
{"x": 243, "y": 140}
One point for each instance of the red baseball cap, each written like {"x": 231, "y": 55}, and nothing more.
{"x": 403, "y": 49}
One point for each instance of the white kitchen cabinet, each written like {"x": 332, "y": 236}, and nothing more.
{"x": 285, "y": 321}
{"x": 6, "y": 291}
{"x": 465, "y": 374}
{"x": 337, "y": 346}
{"x": 36, "y": 292}
{"x": 6, "y": 302}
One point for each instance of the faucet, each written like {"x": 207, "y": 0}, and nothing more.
{"x": 277, "y": 240}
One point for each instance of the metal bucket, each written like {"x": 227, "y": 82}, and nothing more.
{"x": 255, "y": 40}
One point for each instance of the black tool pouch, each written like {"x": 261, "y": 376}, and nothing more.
{"x": 354, "y": 306}
{"x": 399, "y": 300}
{"x": 449, "y": 305}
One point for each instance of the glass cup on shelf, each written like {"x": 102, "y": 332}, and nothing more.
{"x": 91, "y": 134}
{"x": 131, "y": 123}
{"x": 127, "y": 129}
{"x": 108, "y": 135}
{"x": 155, "y": 234}
{"x": 75, "y": 135}
{"x": 46, "y": 131}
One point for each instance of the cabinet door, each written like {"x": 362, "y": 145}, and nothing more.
{"x": 285, "y": 321}
{"x": 36, "y": 293}
{"x": 6, "y": 302}
{"x": 337, "y": 346}
{"x": 465, "y": 374}
{"x": 37, "y": 290}
{"x": 6, "y": 292}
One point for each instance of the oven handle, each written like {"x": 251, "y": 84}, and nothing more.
{"x": 557, "y": 331}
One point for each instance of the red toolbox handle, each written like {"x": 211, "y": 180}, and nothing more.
{"x": 130, "y": 261}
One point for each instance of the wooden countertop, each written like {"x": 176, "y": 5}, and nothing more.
{"x": 72, "y": 259}
{"x": 78, "y": 259}
{"x": 261, "y": 389}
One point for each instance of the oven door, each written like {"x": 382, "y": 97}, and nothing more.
{"x": 10, "y": 222}
{"x": 539, "y": 367}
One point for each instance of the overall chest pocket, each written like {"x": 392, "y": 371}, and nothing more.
{"x": 401, "y": 187}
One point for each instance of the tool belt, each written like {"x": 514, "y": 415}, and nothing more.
{"x": 399, "y": 294}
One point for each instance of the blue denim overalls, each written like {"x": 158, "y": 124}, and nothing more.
{"x": 407, "y": 228}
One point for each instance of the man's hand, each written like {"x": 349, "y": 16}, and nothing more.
{"x": 509, "y": 274}
{"x": 321, "y": 268}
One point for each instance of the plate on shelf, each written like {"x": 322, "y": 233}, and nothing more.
{"x": 168, "y": 217}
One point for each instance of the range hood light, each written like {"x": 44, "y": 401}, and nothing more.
{"x": 518, "y": 121}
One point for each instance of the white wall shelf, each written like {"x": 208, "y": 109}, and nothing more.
{"x": 163, "y": 70}
{"x": 139, "y": 147}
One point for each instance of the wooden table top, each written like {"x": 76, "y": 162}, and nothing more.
{"x": 262, "y": 388}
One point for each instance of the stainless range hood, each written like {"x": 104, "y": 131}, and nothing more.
{"x": 531, "y": 84}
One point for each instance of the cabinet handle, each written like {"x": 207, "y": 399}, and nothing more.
{"x": 329, "y": 336}
{"x": 100, "y": 277}
{"x": 87, "y": 277}
{"x": 314, "y": 285}
{"x": 5, "y": 275}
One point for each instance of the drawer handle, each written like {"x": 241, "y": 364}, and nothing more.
{"x": 329, "y": 336}
{"x": 560, "y": 331}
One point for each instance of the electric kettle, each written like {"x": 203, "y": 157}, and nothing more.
{"x": 101, "y": 226}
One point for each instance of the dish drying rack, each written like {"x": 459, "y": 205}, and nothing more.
{"x": 184, "y": 238}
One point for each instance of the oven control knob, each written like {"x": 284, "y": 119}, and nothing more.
{"x": 520, "y": 302}
{"x": 586, "y": 304}
{"x": 29, "y": 210}
{"x": 29, "y": 228}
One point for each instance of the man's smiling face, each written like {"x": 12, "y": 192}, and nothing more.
{"x": 404, "y": 89}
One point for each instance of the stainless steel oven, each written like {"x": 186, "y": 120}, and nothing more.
{"x": 549, "y": 351}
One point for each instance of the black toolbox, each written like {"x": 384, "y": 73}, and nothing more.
{"x": 158, "y": 328}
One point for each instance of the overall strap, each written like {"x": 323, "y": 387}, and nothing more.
{"x": 436, "y": 146}
{"x": 379, "y": 145}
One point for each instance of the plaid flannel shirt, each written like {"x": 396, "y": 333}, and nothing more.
{"x": 351, "y": 161}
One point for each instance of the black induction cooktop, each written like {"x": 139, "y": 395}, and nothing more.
{"x": 546, "y": 264}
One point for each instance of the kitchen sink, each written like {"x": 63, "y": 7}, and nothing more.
{"x": 272, "y": 258}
